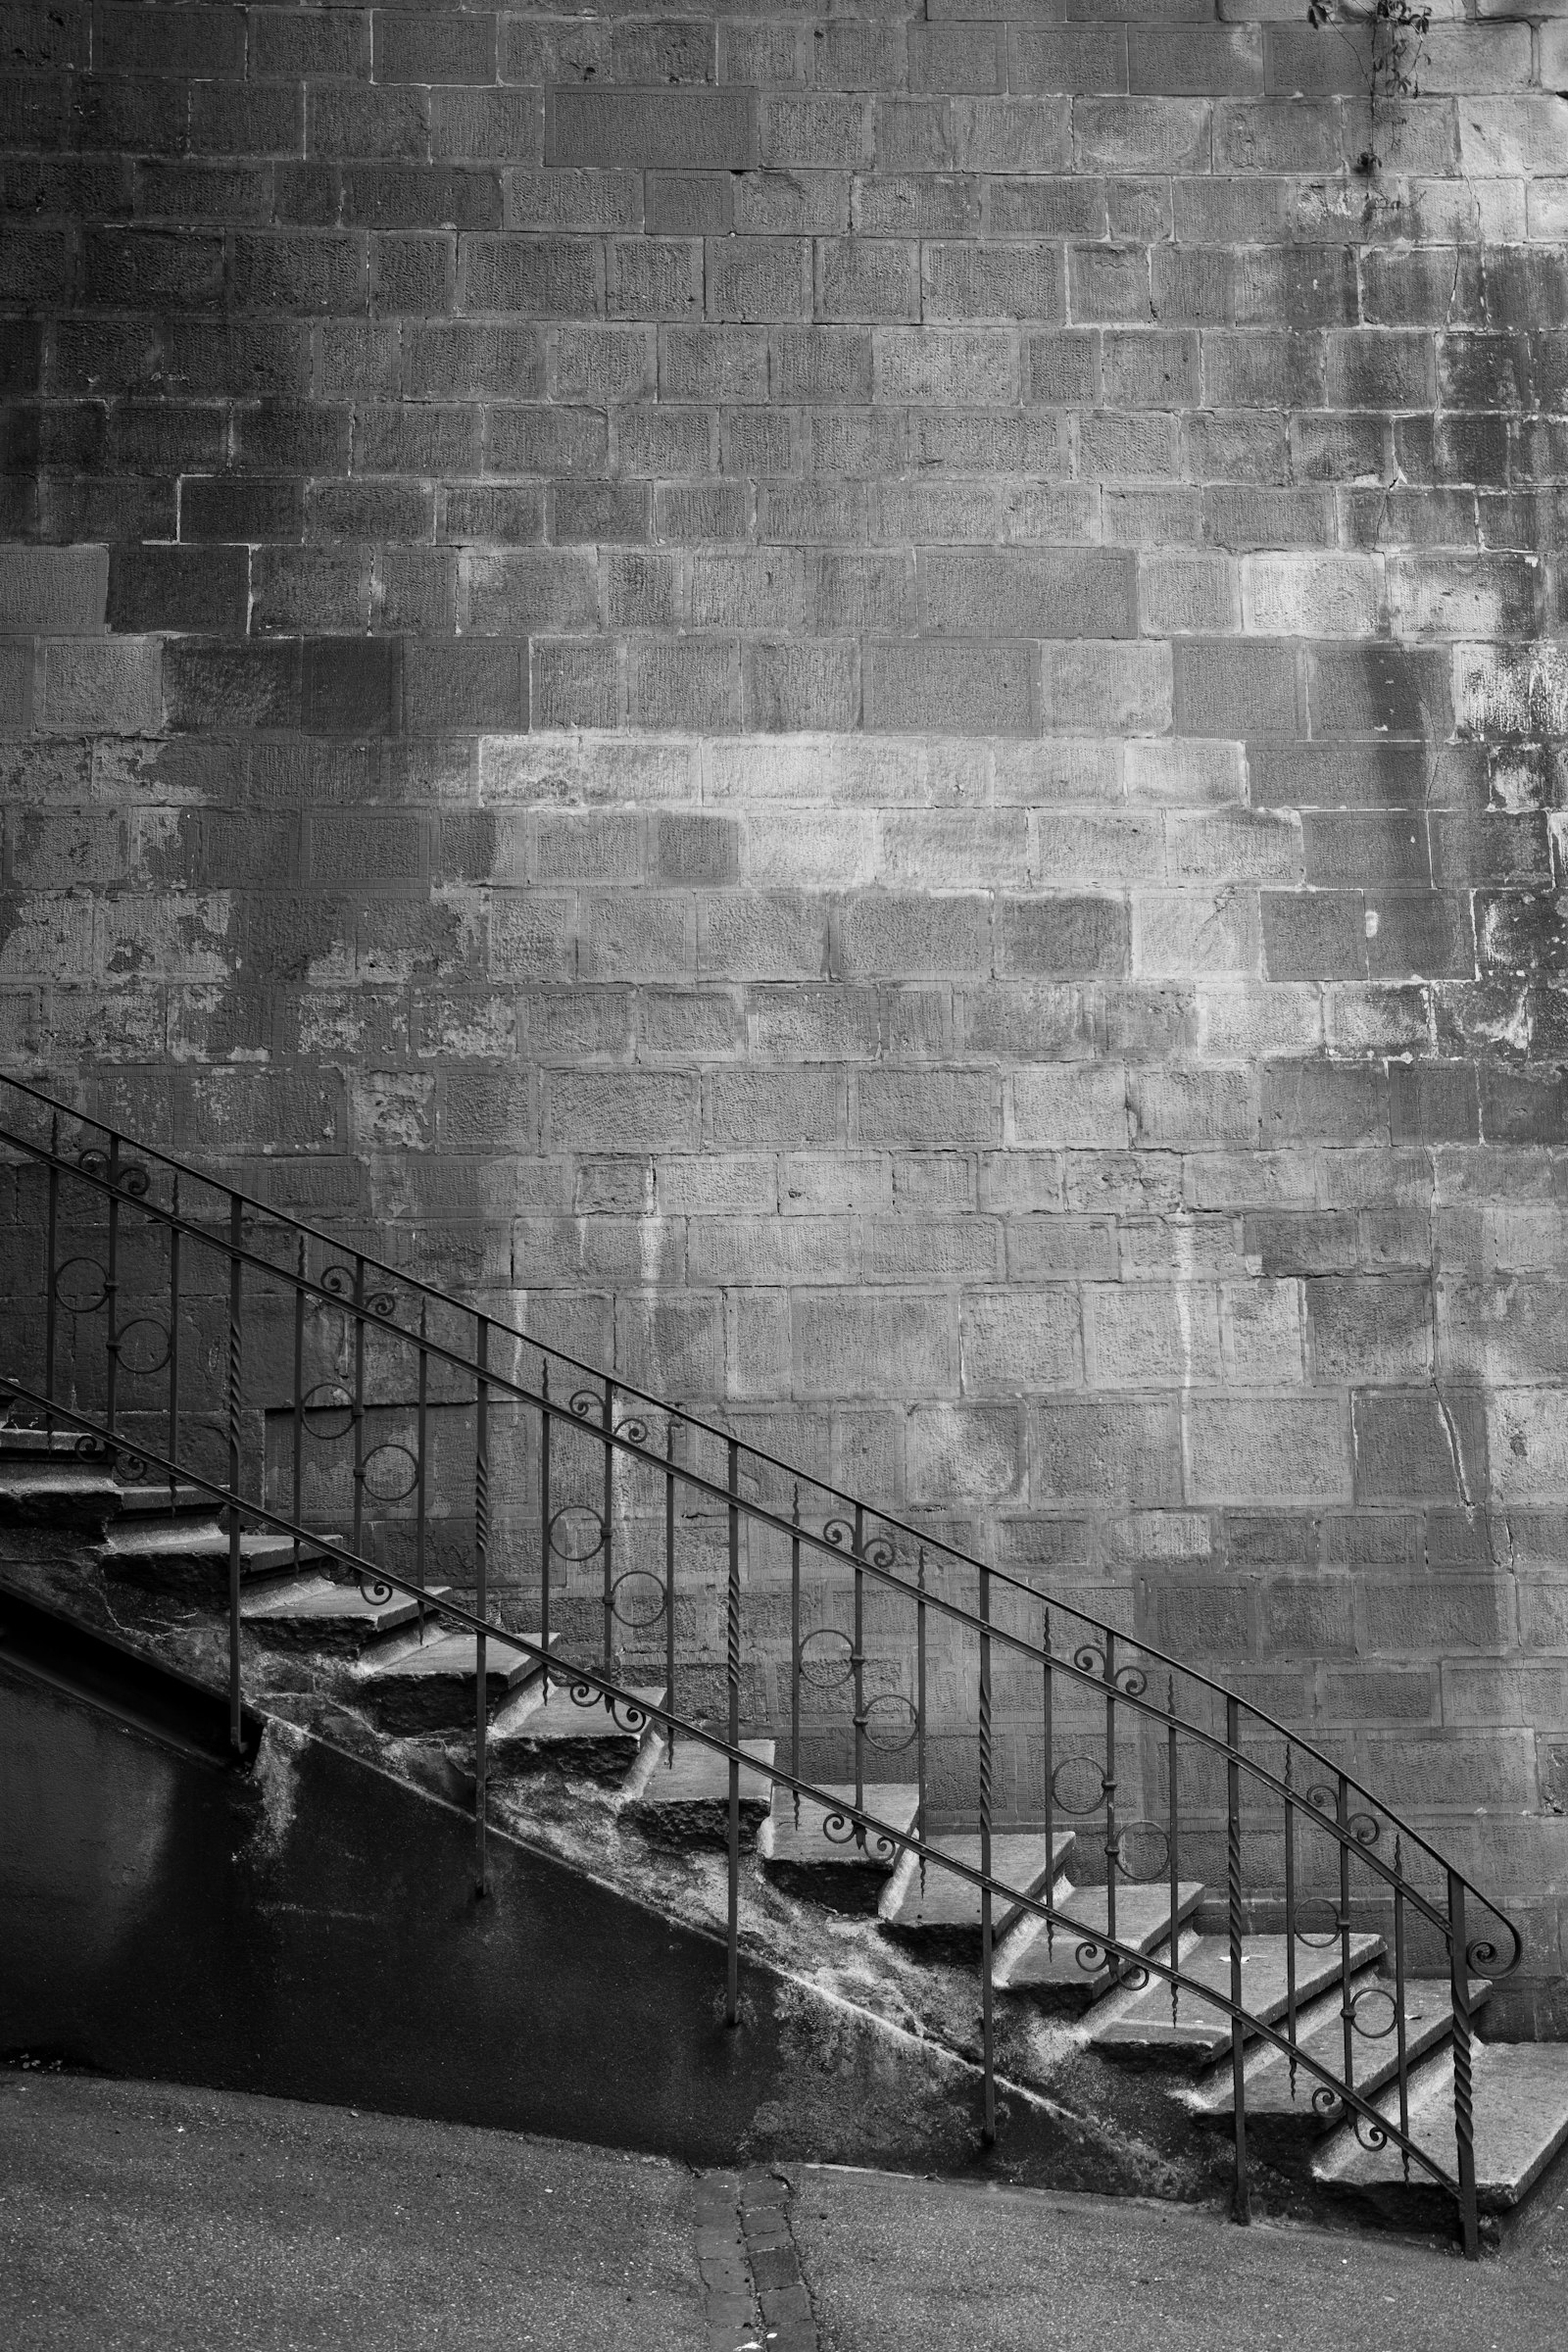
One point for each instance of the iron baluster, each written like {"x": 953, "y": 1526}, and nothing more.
{"x": 544, "y": 1521}
{"x": 421, "y": 1416}
{"x": 857, "y": 1662}
{"x": 669, "y": 1587}
{"x": 51, "y": 1305}
{"x": 299, "y": 1399}
{"x": 111, "y": 1286}
{"x": 1399, "y": 2022}
{"x": 1172, "y": 1828}
{"x": 173, "y": 1347}
{"x": 795, "y": 1645}
{"x": 357, "y": 1408}
{"x": 1241, "y": 2201}
{"x": 1110, "y": 1794}
{"x": 1290, "y": 1917}
{"x": 732, "y": 1661}
{"x": 1346, "y": 2011}
{"x": 481, "y": 1572}
{"x": 235, "y": 1273}
{"x": 1463, "y": 2091}
{"x": 607, "y": 1546}
{"x": 986, "y": 2019}
{"x": 919, "y": 1714}
{"x": 1048, "y": 1727}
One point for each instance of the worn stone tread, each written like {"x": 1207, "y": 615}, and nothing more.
{"x": 1201, "y": 2031}
{"x": 1035, "y": 1961}
{"x": 686, "y": 1802}
{"x": 1520, "y": 2110}
{"x": 948, "y": 1907}
{"x": 541, "y": 1727}
{"x": 847, "y": 1874}
{"x": 1320, "y": 2034}
{"x": 313, "y": 1611}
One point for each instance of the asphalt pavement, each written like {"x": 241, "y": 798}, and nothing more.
{"x": 136, "y": 2215}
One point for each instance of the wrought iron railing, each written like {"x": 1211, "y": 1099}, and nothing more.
{"x": 187, "y": 1332}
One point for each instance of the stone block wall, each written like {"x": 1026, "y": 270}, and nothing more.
{"x": 866, "y": 711}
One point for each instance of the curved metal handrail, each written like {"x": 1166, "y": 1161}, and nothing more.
{"x": 380, "y": 1317}
{"x": 853, "y": 1535}
{"x": 134, "y": 1465}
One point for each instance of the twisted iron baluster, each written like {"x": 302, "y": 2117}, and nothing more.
{"x": 1463, "y": 2089}
{"x": 986, "y": 2020}
{"x": 919, "y": 1717}
{"x": 1290, "y": 1917}
{"x": 1241, "y": 2202}
{"x": 795, "y": 1645}
{"x": 357, "y": 1408}
{"x": 1111, "y": 1852}
{"x": 1171, "y": 1838}
{"x": 112, "y": 1284}
{"x": 609, "y": 1546}
{"x": 237, "y": 1243}
{"x": 732, "y": 1663}
{"x": 1399, "y": 1989}
{"x": 299, "y": 1397}
{"x": 421, "y": 1439}
{"x": 1048, "y": 1703}
{"x": 173, "y": 1347}
{"x": 544, "y": 1520}
{"x": 669, "y": 1592}
{"x": 481, "y": 1578}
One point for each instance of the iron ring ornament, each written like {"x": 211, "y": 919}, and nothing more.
{"x": 144, "y": 1347}
{"x": 625, "y": 1610}
{"x": 328, "y": 1402}
{"x": 87, "y": 1292}
{"x": 576, "y": 1532}
{"x": 890, "y": 1723}
{"x": 1143, "y": 1851}
{"x": 1078, "y": 1786}
{"x": 821, "y": 1668}
{"x": 341, "y": 1281}
{"x": 382, "y": 1479}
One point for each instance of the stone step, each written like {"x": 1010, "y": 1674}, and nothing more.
{"x": 946, "y": 1910}
{"x": 1320, "y": 2033}
{"x": 429, "y": 1686}
{"x": 1520, "y": 2119}
{"x": 545, "y": 1728}
{"x": 152, "y": 1500}
{"x": 844, "y": 1873}
{"x": 1143, "y": 2025}
{"x": 686, "y": 1802}
{"x": 68, "y": 1493}
{"x": 1047, "y": 1965}
{"x": 312, "y": 1613}
{"x": 190, "y": 1557}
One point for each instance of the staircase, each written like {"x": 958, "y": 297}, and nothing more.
{"x": 1310, "y": 2017}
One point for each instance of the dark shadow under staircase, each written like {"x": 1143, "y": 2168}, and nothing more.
{"x": 487, "y": 1551}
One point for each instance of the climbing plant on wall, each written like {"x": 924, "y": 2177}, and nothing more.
{"x": 1391, "y": 59}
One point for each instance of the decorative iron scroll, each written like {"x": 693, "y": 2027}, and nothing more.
{"x": 341, "y": 1282}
